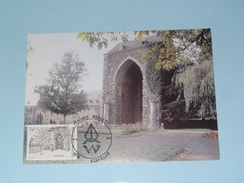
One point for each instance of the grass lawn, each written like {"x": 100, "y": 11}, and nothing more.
{"x": 118, "y": 133}
{"x": 126, "y": 150}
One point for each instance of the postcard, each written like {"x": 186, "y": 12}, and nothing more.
{"x": 127, "y": 96}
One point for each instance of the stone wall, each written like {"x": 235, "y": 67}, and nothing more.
{"x": 126, "y": 94}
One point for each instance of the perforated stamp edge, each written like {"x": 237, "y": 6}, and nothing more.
{"x": 49, "y": 157}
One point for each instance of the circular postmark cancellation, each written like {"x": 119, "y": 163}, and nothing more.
{"x": 92, "y": 138}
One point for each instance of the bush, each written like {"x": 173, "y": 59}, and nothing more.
{"x": 133, "y": 128}
{"x": 212, "y": 134}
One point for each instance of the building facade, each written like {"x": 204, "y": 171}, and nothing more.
{"x": 35, "y": 115}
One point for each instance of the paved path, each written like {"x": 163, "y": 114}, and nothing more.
{"x": 201, "y": 148}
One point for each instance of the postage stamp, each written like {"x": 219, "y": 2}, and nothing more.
{"x": 50, "y": 142}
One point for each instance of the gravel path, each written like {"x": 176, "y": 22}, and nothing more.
{"x": 196, "y": 146}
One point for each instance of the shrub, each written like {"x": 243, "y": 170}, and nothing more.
{"x": 133, "y": 128}
{"x": 212, "y": 134}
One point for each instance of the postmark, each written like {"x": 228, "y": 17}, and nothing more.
{"x": 50, "y": 142}
{"x": 94, "y": 139}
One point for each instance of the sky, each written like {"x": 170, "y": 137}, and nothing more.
{"x": 50, "y": 48}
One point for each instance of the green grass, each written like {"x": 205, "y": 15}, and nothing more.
{"x": 136, "y": 134}
{"x": 123, "y": 150}
{"x": 129, "y": 151}
{"x": 120, "y": 134}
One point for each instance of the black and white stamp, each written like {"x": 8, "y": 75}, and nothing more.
{"x": 92, "y": 139}
{"x": 49, "y": 142}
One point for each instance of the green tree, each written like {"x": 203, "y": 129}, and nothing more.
{"x": 177, "y": 48}
{"x": 62, "y": 93}
{"x": 197, "y": 84}
{"x": 183, "y": 55}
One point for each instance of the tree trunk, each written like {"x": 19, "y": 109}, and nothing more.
{"x": 203, "y": 112}
{"x": 65, "y": 118}
{"x": 41, "y": 149}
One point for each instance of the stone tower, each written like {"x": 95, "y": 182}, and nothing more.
{"x": 126, "y": 95}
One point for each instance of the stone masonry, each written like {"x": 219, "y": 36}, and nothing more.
{"x": 126, "y": 95}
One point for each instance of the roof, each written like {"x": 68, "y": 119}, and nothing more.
{"x": 93, "y": 95}
{"x": 135, "y": 43}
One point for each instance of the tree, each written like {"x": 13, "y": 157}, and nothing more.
{"x": 197, "y": 84}
{"x": 177, "y": 48}
{"x": 41, "y": 137}
{"x": 62, "y": 93}
{"x": 29, "y": 51}
{"x": 183, "y": 55}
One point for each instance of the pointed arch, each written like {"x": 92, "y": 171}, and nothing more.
{"x": 124, "y": 66}
{"x": 128, "y": 79}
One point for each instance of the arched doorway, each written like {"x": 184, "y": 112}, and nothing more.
{"x": 130, "y": 98}
{"x": 59, "y": 142}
